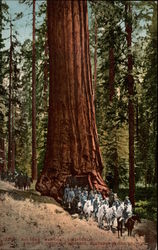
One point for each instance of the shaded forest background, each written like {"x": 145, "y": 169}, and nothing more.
{"x": 109, "y": 59}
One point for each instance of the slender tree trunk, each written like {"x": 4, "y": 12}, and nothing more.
{"x": 2, "y": 155}
{"x": 72, "y": 141}
{"x": 13, "y": 139}
{"x": 111, "y": 63}
{"x": 111, "y": 73}
{"x": 13, "y": 157}
{"x": 137, "y": 120}
{"x": 116, "y": 168}
{"x": 130, "y": 82}
{"x": 156, "y": 155}
{"x": 1, "y": 79}
{"x": 34, "y": 161}
{"x": 10, "y": 104}
{"x": 95, "y": 61}
{"x": 111, "y": 95}
{"x": 46, "y": 69}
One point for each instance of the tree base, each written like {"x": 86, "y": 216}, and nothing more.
{"x": 96, "y": 182}
{"x": 55, "y": 187}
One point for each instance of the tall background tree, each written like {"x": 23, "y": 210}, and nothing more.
{"x": 34, "y": 160}
{"x": 3, "y": 21}
{"x": 130, "y": 83}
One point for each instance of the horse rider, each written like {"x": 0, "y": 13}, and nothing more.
{"x": 111, "y": 198}
{"x": 91, "y": 197}
{"x": 116, "y": 201}
{"x": 106, "y": 201}
{"x": 127, "y": 212}
{"x": 127, "y": 201}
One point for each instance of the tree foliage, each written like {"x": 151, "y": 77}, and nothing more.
{"x": 111, "y": 117}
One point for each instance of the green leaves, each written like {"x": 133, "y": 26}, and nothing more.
{"x": 18, "y": 16}
{"x": 113, "y": 117}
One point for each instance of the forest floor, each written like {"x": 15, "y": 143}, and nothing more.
{"x": 31, "y": 221}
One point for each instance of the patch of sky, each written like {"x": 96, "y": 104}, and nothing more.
{"x": 22, "y": 26}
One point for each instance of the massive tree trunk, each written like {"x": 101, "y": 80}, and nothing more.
{"x": 130, "y": 82}
{"x": 95, "y": 60}
{"x": 10, "y": 104}
{"x": 72, "y": 141}
{"x": 34, "y": 161}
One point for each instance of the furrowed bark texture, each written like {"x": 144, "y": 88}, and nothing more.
{"x": 72, "y": 142}
{"x": 95, "y": 61}
{"x": 130, "y": 82}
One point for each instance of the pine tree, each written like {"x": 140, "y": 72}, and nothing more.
{"x": 130, "y": 84}
{"x": 34, "y": 160}
{"x": 3, "y": 20}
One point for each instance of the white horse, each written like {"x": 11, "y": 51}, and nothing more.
{"x": 127, "y": 213}
{"x": 101, "y": 213}
{"x": 88, "y": 209}
{"x": 120, "y": 210}
{"x": 110, "y": 215}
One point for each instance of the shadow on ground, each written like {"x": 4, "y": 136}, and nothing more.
{"x": 28, "y": 194}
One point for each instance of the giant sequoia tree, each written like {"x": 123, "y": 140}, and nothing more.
{"x": 72, "y": 142}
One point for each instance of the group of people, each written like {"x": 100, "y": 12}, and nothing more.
{"x": 21, "y": 180}
{"x": 91, "y": 203}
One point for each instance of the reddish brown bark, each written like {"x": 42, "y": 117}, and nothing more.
{"x": 116, "y": 172}
{"x": 72, "y": 141}
{"x": 111, "y": 95}
{"x": 95, "y": 61}
{"x": 10, "y": 104}
{"x": 130, "y": 82}
{"x": 111, "y": 62}
{"x": 34, "y": 161}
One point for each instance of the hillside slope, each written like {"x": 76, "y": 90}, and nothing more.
{"x": 30, "y": 221}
